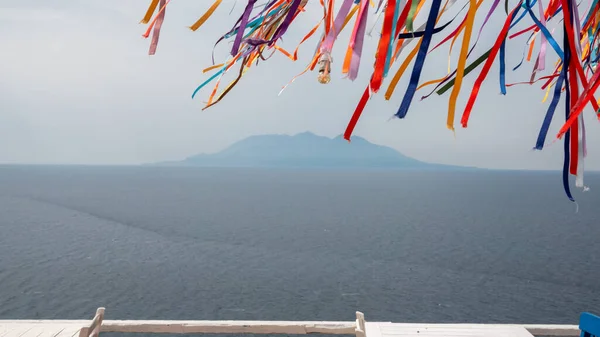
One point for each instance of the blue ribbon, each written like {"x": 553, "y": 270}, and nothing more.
{"x": 567, "y": 142}
{"x": 503, "y": 67}
{"x": 419, "y": 62}
{"x": 544, "y": 30}
{"x": 589, "y": 15}
{"x": 590, "y": 55}
{"x": 208, "y": 81}
{"x": 420, "y": 33}
{"x": 256, "y": 23}
{"x": 522, "y": 59}
{"x": 550, "y": 113}
{"x": 522, "y": 15}
{"x": 567, "y": 146}
{"x": 502, "y": 55}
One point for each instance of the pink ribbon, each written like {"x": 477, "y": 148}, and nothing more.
{"x": 159, "y": 21}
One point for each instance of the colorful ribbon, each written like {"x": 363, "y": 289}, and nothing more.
{"x": 254, "y": 35}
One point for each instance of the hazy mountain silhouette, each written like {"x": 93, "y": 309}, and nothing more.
{"x": 305, "y": 150}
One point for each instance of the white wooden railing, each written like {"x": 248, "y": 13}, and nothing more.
{"x": 357, "y": 328}
{"x": 93, "y": 330}
{"x": 98, "y": 324}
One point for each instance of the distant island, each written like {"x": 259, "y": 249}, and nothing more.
{"x": 305, "y": 150}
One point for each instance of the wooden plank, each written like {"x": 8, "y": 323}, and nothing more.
{"x": 6, "y": 329}
{"x": 3, "y": 328}
{"x": 535, "y": 329}
{"x": 253, "y": 327}
{"x": 478, "y": 325}
{"x": 81, "y": 322}
{"x": 69, "y": 331}
{"x": 17, "y": 330}
{"x": 359, "y": 330}
{"x": 38, "y": 329}
{"x": 372, "y": 329}
{"x": 456, "y": 330}
{"x": 553, "y": 330}
{"x": 94, "y": 329}
{"x": 22, "y": 330}
{"x": 191, "y": 326}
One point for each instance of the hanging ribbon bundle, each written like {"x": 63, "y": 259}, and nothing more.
{"x": 261, "y": 26}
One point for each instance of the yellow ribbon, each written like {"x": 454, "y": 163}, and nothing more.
{"x": 150, "y": 11}
{"x": 462, "y": 60}
{"x": 206, "y": 15}
{"x": 462, "y": 27}
{"x": 398, "y": 75}
{"x": 213, "y": 67}
{"x": 547, "y": 92}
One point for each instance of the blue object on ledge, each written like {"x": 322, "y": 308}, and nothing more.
{"x": 589, "y": 325}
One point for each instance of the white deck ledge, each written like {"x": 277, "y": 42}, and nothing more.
{"x": 358, "y": 328}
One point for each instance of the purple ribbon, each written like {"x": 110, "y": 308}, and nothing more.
{"x": 337, "y": 25}
{"x": 358, "y": 42}
{"x": 157, "y": 26}
{"x": 242, "y": 27}
{"x": 281, "y": 29}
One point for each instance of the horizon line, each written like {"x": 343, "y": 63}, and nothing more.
{"x": 354, "y": 168}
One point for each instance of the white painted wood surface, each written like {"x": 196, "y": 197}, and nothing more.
{"x": 533, "y": 329}
{"x": 32, "y": 329}
{"x": 359, "y": 328}
{"x": 248, "y": 327}
{"x": 439, "y": 330}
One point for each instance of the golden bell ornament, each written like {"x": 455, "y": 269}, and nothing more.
{"x": 324, "y": 68}
{"x": 324, "y": 78}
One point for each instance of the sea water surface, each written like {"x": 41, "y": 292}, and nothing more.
{"x": 405, "y": 246}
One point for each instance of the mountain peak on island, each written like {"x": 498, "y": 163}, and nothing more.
{"x": 304, "y": 150}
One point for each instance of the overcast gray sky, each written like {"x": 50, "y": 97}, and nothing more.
{"x": 77, "y": 87}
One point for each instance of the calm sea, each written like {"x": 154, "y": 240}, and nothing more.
{"x": 177, "y": 243}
